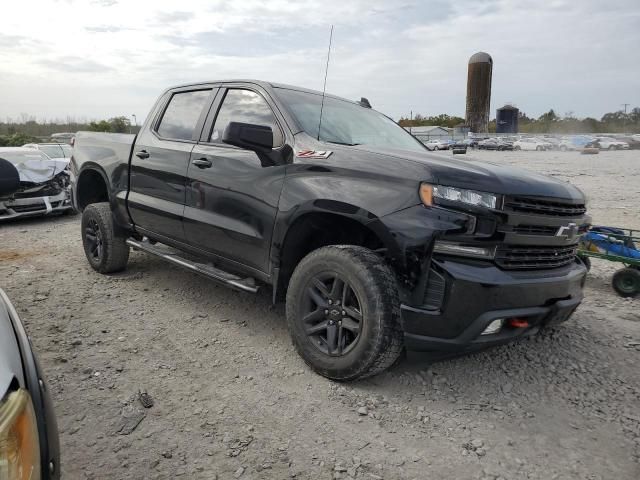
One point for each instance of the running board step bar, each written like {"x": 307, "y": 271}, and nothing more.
{"x": 171, "y": 255}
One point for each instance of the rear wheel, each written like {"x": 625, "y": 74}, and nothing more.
{"x": 106, "y": 251}
{"x": 539, "y": 148}
{"x": 626, "y": 282}
{"x": 563, "y": 148}
{"x": 343, "y": 313}
{"x": 612, "y": 147}
{"x": 517, "y": 147}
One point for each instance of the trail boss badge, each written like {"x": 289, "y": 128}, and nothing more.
{"x": 314, "y": 154}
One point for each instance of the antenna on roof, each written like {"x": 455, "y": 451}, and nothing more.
{"x": 324, "y": 89}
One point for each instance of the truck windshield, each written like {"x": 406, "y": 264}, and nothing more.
{"x": 346, "y": 123}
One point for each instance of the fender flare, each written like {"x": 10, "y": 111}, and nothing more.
{"x": 92, "y": 167}
{"x": 286, "y": 220}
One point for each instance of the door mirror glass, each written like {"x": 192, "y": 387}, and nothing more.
{"x": 258, "y": 138}
{"x": 9, "y": 178}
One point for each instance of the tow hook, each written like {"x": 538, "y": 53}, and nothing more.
{"x": 518, "y": 323}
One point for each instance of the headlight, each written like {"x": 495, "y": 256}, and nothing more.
{"x": 461, "y": 250}
{"x": 19, "y": 445}
{"x": 428, "y": 193}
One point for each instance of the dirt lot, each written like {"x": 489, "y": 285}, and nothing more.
{"x": 233, "y": 400}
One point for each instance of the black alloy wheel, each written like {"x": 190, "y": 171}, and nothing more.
{"x": 105, "y": 247}
{"x": 332, "y": 314}
{"x": 343, "y": 312}
{"x": 93, "y": 239}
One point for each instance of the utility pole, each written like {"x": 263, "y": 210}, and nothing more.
{"x": 411, "y": 122}
{"x": 624, "y": 119}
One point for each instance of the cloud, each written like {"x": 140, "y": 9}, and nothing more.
{"x": 74, "y": 65}
{"x": 11, "y": 41}
{"x": 409, "y": 55}
{"x": 169, "y": 17}
{"x": 105, "y": 29}
{"x": 104, "y": 3}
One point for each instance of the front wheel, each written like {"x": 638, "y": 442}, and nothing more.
{"x": 517, "y": 147}
{"x": 106, "y": 251}
{"x": 343, "y": 313}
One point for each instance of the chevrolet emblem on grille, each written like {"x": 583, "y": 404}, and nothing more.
{"x": 570, "y": 231}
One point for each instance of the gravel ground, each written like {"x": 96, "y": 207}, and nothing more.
{"x": 233, "y": 400}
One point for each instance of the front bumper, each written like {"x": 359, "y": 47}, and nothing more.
{"x": 476, "y": 294}
{"x": 35, "y": 206}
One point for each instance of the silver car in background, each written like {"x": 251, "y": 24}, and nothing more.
{"x": 44, "y": 184}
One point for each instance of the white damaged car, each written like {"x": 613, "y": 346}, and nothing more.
{"x": 44, "y": 184}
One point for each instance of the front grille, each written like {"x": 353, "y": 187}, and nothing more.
{"x": 524, "y": 257}
{"x": 34, "y": 207}
{"x": 544, "y": 207}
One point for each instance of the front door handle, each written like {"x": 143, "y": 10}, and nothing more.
{"x": 202, "y": 163}
{"x": 142, "y": 154}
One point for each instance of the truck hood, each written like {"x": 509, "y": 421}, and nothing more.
{"x": 469, "y": 173}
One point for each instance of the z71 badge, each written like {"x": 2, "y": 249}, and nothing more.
{"x": 314, "y": 154}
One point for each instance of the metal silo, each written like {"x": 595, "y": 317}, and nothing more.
{"x": 507, "y": 119}
{"x": 479, "y": 92}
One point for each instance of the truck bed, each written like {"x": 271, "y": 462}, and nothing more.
{"x": 106, "y": 149}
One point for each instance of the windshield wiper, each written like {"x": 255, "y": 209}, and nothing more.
{"x": 342, "y": 143}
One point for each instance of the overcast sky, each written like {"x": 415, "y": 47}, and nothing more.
{"x": 102, "y": 58}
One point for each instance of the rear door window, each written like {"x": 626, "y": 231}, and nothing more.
{"x": 245, "y": 106}
{"x": 182, "y": 114}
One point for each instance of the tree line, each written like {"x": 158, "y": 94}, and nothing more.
{"x": 549, "y": 122}
{"x": 30, "y": 130}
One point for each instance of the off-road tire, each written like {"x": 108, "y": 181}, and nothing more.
{"x": 626, "y": 282}
{"x": 381, "y": 338}
{"x": 114, "y": 252}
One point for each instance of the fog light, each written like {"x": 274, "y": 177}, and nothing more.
{"x": 493, "y": 327}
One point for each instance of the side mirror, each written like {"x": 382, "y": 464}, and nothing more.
{"x": 258, "y": 138}
{"x": 9, "y": 178}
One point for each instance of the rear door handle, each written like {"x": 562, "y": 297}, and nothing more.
{"x": 202, "y": 163}
{"x": 142, "y": 154}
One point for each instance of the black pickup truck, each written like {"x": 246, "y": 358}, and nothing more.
{"x": 376, "y": 243}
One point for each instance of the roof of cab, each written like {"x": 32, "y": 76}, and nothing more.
{"x": 264, "y": 84}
